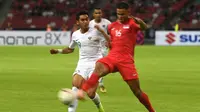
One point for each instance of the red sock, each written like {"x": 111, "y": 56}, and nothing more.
{"x": 93, "y": 80}
{"x": 145, "y": 101}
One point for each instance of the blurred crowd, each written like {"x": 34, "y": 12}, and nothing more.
{"x": 60, "y": 14}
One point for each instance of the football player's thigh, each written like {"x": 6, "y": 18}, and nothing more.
{"x": 78, "y": 78}
{"x": 127, "y": 71}
{"x": 108, "y": 65}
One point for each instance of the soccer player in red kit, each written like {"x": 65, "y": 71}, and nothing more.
{"x": 121, "y": 56}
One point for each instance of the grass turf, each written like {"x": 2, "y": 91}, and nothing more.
{"x": 30, "y": 78}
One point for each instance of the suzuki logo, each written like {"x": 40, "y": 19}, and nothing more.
{"x": 170, "y": 38}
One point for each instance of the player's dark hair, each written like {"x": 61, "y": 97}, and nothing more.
{"x": 122, "y": 5}
{"x": 81, "y": 13}
{"x": 97, "y": 8}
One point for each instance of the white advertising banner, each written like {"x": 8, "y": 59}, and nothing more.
{"x": 181, "y": 38}
{"x": 34, "y": 38}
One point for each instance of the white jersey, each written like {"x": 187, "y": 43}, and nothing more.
{"x": 104, "y": 25}
{"x": 89, "y": 45}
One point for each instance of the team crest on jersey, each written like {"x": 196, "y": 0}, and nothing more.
{"x": 126, "y": 26}
{"x": 93, "y": 38}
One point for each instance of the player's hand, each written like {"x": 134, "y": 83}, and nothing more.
{"x": 137, "y": 20}
{"x": 53, "y": 51}
{"x": 140, "y": 22}
{"x": 98, "y": 28}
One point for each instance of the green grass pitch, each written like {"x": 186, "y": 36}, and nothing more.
{"x": 30, "y": 78}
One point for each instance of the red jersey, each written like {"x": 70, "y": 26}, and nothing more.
{"x": 123, "y": 37}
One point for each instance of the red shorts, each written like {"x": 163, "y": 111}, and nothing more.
{"x": 125, "y": 66}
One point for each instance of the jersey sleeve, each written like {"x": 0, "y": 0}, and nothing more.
{"x": 73, "y": 42}
{"x": 108, "y": 22}
{"x": 90, "y": 24}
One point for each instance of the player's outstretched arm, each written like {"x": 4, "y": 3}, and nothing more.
{"x": 143, "y": 25}
{"x": 106, "y": 36}
{"x": 61, "y": 51}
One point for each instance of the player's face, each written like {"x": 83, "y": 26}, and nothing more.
{"x": 122, "y": 15}
{"x": 83, "y": 21}
{"x": 97, "y": 14}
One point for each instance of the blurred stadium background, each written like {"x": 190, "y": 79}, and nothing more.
{"x": 60, "y": 14}
{"x": 30, "y": 77}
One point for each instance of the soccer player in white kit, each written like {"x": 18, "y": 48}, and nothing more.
{"x": 89, "y": 43}
{"x": 103, "y": 24}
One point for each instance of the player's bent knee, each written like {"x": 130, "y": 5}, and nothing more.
{"x": 135, "y": 87}
{"x": 77, "y": 80}
{"x": 136, "y": 91}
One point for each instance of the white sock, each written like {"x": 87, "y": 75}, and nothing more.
{"x": 96, "y": 100}
{"x": 72, "y": 107}
{"x": 101, "y": 82}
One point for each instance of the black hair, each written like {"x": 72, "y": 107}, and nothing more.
{"x": 97, "y": 8}
{"x": 81, "y": 13}
{"x": 122, "y": 5}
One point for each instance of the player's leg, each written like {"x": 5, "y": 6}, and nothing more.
{"x": 99, "y": 71}
{"x": 130, "y": 75}
{"x": 77, "y": 81}
{"x": 95, "y": 98}
{"x": 142, "y": 97}
{"x": 102, "y": 68}
{"x": 102, "y": 88}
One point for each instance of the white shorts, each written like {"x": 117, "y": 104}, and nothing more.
{"x": 85, "y": 70}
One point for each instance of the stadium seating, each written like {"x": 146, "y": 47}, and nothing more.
{"x": 37, "y": 14}
{"x": 190, "y": 18}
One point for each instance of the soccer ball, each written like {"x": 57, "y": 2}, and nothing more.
{"x": 66, "y": 96}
